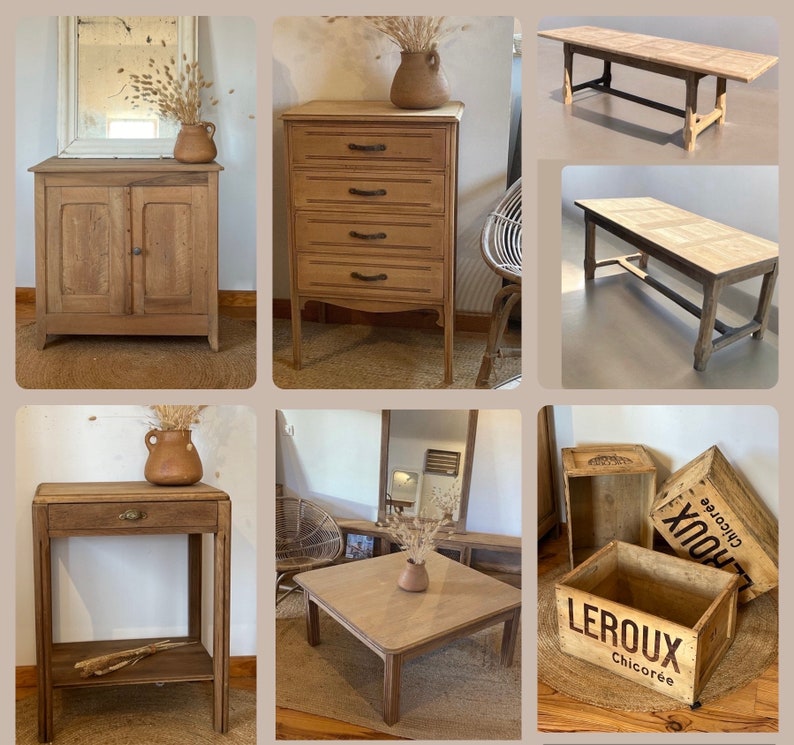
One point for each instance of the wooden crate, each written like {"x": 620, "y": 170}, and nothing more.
{"x": 609, "y": 490}
{"x": 707, "y": 513}
{"x": 659, "y": 620}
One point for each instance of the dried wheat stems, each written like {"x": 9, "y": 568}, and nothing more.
{"x": 107, "y": 663}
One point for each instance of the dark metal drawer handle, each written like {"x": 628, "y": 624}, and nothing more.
{"x": 367, "y": 236}
{"x": 365, "y": 193}
{"x": 368, "y": 277}
{"x": 367, "y": 148}
{"x": 133, "y": 515}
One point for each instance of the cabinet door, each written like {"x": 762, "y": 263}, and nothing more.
{"x": 169, "y": 254}
{"x": 86, "y": 250}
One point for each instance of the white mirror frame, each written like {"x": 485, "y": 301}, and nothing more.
{"x": 69, "y": 144}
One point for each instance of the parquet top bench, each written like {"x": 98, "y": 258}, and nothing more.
{"x": 713, "y": 254}
{"x": 680, "y": 59}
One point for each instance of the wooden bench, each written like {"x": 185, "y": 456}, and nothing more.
{"x": 715, "y": 255}
{"x": 678, "y": 59}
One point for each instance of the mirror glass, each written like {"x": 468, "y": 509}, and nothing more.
{"x": 426, "y": 464}
{"x": 98, "y": 114}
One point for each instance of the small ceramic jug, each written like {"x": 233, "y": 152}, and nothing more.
{"x": 195, "y": 143}
{"x": 173, "y": 459}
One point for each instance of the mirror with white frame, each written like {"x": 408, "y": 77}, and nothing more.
{"x": 97, "y": 114}
{"x": 426, "y": 461}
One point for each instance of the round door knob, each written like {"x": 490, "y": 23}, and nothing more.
{"x": 136, "y": 251}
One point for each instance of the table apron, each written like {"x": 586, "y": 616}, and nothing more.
{"x": 641, "y": 64}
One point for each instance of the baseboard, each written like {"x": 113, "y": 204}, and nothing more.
{"x": 241, "y": 666}
{"x": 226, "y": 298}
{"x": 415, "y": 319}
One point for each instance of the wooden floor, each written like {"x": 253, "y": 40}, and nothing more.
{"x": 753, "y": 708}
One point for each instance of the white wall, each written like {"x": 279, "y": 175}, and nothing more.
{"x": 333, "y": 458}
{"x": 227, "y": 54}
{"x": 317, "y": 59}
{"x": 674, "y": 435}
{"x": 135, "y": 586}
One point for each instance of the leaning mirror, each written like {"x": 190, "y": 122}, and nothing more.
{"x": 97, "y": 116}
{"x": 426, "y": 462}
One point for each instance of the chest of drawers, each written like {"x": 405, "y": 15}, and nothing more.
{"x": 371, "y": 195}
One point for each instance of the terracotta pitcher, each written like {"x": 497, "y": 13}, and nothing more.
{"x": 420, "y": 82}
{"x": 414, "y": 577}
{"x": 173, "y": 459}
{"x": 195, "y": 143}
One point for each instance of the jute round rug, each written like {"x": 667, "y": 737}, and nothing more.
{"x": 173, "y": 714}
{"x": 103, "y": 362}
{"x": 458, "y": 692}
{"x": 347, "y": 356}
{"x": 754, "y": 648}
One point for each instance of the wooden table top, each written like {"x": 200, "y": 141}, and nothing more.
{"x": 123, "y": 491}
{"x": 732, "y": 64}
{"x": 364, "y": 594}
{"x": 703, "y": 244}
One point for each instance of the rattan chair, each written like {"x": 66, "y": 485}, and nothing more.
{"x": 500, "y": 246}
{"x": 307, "y": 537}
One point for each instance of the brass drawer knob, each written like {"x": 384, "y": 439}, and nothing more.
{"x": 133, "y": 515}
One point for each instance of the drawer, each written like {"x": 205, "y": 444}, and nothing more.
{"x": 383, "y": 235}
{"x": 343, "y": 145}
{"x": 406, "y": 280}
{"x": 371, "y": 191}
{"x": 132, "y": 516}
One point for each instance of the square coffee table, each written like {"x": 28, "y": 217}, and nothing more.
{"x": 397, "y": 625}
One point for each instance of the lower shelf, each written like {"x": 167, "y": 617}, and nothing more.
{"x": 191, "y": 662}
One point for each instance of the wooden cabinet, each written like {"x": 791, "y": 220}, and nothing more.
{"x": 126, "y": 247}
{"x": 548, "y": 510}
{"x": 134, "y": 508}
{"x": 371, "y": 194}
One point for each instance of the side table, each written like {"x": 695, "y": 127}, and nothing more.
{"x": 134, "y": 508}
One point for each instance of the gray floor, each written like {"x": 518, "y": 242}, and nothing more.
{"x": 618, "y": 332}
{"x": 606, "y": 128}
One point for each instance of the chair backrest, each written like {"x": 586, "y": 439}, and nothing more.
{"x": 303, "y": 528}
{"x": 500, "y": 238}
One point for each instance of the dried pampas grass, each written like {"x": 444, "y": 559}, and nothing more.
{"x": 175, "y": 416}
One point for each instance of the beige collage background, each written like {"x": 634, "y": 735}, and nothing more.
{"x": 541, "y": 343}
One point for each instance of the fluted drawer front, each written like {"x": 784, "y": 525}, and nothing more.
{"x": 375, "y": 278}
{"x": 132, "y": 515}
{"x": 384, "y": 235}
{"x": 369, "y": 191}
{"x": 335, "y": 145}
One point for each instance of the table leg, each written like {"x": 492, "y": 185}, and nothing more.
{"x": 220, "y": 621}
{"x": 312, "y": 620}
{"x": 764, "y": 301}
{"x": 606, "y": 78}
{"x": 194, "y": 561}
{"x": 392, "y": 673}
{"x": 509, "y": 634}
{"x": 42, "y": 573}
{"x": 690, "y": 115}
{"x": 297, "y": 352}
{"x": 567, "y": 78}
{"x": 720, "y": 101}
{"x": 589, "y": 248}
{"x": 703, "y": 347}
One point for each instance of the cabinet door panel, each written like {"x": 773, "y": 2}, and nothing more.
{"x": 86, "y": 263}
{"x": 169, "y": 234}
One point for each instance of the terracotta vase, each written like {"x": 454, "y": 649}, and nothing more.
{"x": 413, "y": 577}
{"x": 420, "y": 82}
{"x": 195, "y": 143}
{"x": 173, "y": 459}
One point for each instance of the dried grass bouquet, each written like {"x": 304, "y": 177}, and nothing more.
{"x": 416, "y": 536}
{"x": 175, "y": 416}
{"x": 175, "y": 95}
{"x": 410, "y": 33}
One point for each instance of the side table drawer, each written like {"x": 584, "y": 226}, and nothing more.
{"x": 340, "y": 145}
{"x": 132, "y": 515}
{"x": 371, "y": 277}
{"x": 419, "y": 236}
{"x": 368, "y": 190}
